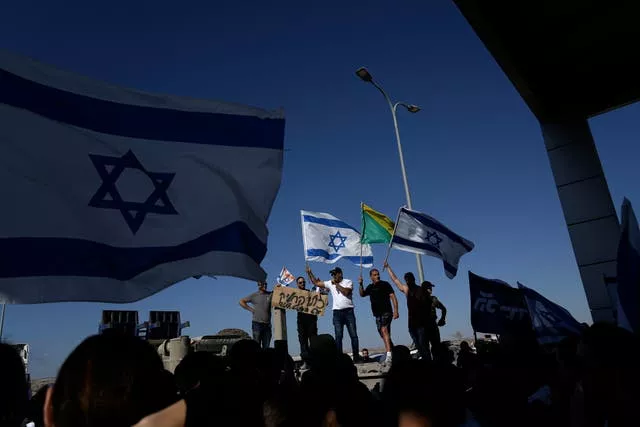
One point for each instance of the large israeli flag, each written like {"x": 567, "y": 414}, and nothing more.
{"x": 111, "y": 194}
{"x": 419, "y": 233}
{"x": 328, "y": 239}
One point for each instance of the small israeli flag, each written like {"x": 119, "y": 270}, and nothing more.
{"x": 328, "y": 239}
{"x": 419, "y": 233}
{"x": 285, "y": 277}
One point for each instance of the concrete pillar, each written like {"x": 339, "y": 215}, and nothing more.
{"x": 280, "y": 328}
{"x": 588, "y": 209}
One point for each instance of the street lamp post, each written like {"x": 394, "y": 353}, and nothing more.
{"x": 4, "y": 309}
{"x": 365, "y": 76}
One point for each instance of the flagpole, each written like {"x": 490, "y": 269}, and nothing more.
{"x": 395, "y": 226}
{"x": 365, "y": 76}
{"x": 362, "y": 235}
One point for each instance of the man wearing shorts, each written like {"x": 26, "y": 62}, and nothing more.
{"x": 382, "y": 297}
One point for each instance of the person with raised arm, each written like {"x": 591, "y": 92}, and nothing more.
{"x": 342, "y": 306}
{"x": 416, "y": 298}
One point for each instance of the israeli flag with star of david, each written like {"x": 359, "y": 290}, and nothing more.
{"x": 419, "y": 233}
{"x": 328, "y": 239}
{"x": 111, "y": 194}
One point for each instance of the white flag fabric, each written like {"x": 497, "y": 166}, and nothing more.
{"x": 285, "y": 277}
{"x": 419, "y": 233}
{"x": 111, "y": 194}
{"x": 328, "y": 239}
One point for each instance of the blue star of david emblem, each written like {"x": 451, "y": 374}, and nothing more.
{"x": 108, "y": 197}
{"x": 434, "y": 239}
{"x": 332, "y": 241}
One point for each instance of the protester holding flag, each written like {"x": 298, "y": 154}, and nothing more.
{"x": 307, "y": 325}
{"x": 343, "y": 314}
{"x": 415, "y": 308}
{"x": 382, "y": 296}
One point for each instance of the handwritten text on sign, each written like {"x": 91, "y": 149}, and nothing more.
{"x": 299, "y": 300}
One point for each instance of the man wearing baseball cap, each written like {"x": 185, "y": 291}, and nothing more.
{"x": 431, "y": 331}
{"x": 343, "y": 315}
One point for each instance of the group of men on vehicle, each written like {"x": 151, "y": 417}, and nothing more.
{"x": 422, "y": 308}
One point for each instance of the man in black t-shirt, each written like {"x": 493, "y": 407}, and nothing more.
{"x": 382, "y": 296}
{"x": 417, "y": 312}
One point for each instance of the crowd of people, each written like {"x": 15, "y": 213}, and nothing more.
{"x": 114, "y": 380}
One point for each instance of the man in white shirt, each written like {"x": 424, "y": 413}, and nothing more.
{"x": 342, "y": 296}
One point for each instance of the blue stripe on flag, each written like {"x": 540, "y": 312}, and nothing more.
{"x": 328, "y": 222}
{"x": 438, "y": 227}
{"x": 418, "y": 245}
{"x": 35, "y": 257}
{"x": 326, "y": 255}
{"x": 428, "y": 248}
{"x": 134, "y": 121}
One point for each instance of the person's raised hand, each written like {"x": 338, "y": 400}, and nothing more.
{"x": 360, "y": 280}
{"x": 396, "y": 315}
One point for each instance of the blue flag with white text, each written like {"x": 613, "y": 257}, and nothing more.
{"x": 551, "y": 322}
{"x": 111, "y": 194}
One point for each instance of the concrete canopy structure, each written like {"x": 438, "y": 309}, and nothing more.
{"x": 570, "y": 60}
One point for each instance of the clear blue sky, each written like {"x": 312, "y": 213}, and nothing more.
{"x": 474, "y": 154}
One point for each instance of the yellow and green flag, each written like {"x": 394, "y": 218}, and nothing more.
{"x": 376, "y": 227}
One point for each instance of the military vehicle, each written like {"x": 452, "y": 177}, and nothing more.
{"x": 163, "y": 330}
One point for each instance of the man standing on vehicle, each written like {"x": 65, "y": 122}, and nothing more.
{"x": 307, "y": 325}
{"x": 431, "y": 331}
{"x": 342, "y": 296}
{"x": 382, "y": 296}
{"x": 415, "y": 308}
{"x": 261, "y": 308}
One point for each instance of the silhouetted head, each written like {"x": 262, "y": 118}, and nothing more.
{"x": 464, "y": 346}
{"x": 109, "y": 380}
{"x": 14, "y": 390}
{"x": 427, "y": 286}
{"x": 197, "y": 368}
{"x": 409, "y": 278}
{"x": 400, "y": 354}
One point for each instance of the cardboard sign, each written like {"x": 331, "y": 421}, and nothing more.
{"x": 299, "y": 300}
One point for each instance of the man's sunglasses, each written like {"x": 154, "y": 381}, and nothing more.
{"x": 301, "y": 282}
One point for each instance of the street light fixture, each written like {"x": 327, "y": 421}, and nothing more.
{"x": 365, "y": 76}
